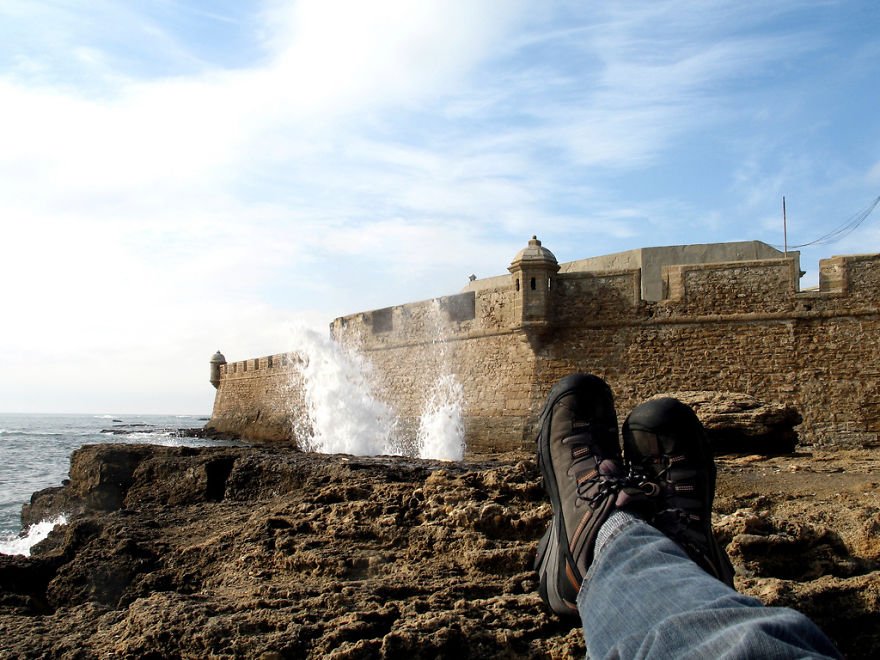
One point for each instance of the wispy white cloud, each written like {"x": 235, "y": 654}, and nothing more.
{"x": 654, "y": 71}
{"x": 133, "y": 211}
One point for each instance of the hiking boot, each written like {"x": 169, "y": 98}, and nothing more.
{"x": 580, "y": 461}
{"x": 665, "y": 443}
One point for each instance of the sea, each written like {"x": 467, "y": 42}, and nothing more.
{"x": 35, "y": 454}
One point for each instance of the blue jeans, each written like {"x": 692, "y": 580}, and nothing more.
{"x": 644, "y": 598}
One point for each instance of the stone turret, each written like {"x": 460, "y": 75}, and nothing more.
{"x": 533, "y": 270}
{"x": 216, "y": 360}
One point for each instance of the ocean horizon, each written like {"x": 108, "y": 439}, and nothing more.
{"x": 35, "y": 450}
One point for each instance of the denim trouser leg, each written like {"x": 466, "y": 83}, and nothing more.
{"x": 644, "y": 598}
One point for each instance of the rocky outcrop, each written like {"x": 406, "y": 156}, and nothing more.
{"x": 740, "y": 423}
{"x": 271, "y": 553}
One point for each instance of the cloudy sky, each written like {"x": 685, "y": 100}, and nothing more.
{"x": 182, "y": 176}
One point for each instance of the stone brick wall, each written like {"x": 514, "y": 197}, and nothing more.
{"x": 739, "y": 326}
{"x": 259, "y": 398}
{"x": 468, "y": 335}
{"x": 744, "y": 286}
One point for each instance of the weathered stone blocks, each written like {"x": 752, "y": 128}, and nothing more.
{"x": 736, "y": 326}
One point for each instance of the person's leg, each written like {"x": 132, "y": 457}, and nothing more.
{"x": 643, "y": 597}
{"x": 638, "y": 592}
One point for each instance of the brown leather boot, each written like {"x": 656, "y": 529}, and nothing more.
{"x": 580, "y": 460}
{"x": 665, "y": 443}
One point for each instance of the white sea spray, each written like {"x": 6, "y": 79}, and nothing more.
{"x": 344, "y": 414}
{"x": 441, "y": 425}
{"x": 21, "y": 544}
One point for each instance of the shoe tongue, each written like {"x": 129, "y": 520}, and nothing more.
{"x": 668, "y": 444}
{"x": 651, "y": 444}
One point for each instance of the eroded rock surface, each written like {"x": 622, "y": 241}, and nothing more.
{"x": 740, "y": 423}
{"x": 271, "y": 553}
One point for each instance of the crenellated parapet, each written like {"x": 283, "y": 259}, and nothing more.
{"x": 259, "y": 398}
{"x": 716, "y": 290}
{"x": 257, "y": 367}
{"x": 418, "y": 322}
{"x": 736, "y": 287}
{"x": 857, "y": 276}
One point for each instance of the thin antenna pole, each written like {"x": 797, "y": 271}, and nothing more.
{"x": 784, "y": 228}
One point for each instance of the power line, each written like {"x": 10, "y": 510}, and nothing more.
{"x": 849, "y": 226}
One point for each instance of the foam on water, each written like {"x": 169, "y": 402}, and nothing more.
{"x": 21, "y": 544}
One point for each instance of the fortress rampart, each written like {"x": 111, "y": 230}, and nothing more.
{"x": 736, "y": 325}
{"x": 259, "y": 398}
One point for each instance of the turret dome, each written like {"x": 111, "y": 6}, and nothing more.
{"x": 534, "y": 254}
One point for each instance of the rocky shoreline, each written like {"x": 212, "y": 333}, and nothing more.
{"x": 268, "y": 552}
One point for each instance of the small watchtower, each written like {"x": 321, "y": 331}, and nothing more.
{"x": 533, "y": 270}
{"x": 216, "y": 361}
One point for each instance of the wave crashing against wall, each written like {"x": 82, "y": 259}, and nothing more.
{"x": 441, "y": 424}
{"x": 343, "y": 414}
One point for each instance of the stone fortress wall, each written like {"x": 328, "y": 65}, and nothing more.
{"x": 258, "y": 398}
{"x": 734, "y": 325}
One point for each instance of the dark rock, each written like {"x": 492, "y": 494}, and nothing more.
{"x": 766, "y": 547}
{"x": 100, "y": 476}
{"x": 23, "y": 583}
{"x": 207, "y": 432}
{"x": 740, "y": 423}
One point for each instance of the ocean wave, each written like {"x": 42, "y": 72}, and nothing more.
{"x": 49, "y": 434}
{"x": 21, "y": 544}
{"x": 44, "y": 433}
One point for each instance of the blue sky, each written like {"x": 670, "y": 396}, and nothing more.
{"x": 178, "y": 177}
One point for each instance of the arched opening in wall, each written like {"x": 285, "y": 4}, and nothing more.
{"x": 549, "y": 283}
{"x": 517, "y": 284}
{"x": 533, "y": 284}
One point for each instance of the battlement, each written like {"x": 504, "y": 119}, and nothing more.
{"x": 420, "y": 321}
{"x": 257, "y": 367}
{"x": 723, "y": 289}
{"x": 855, "y": 275}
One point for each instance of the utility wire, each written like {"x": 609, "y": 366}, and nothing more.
{"x": 852, "y": 223}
